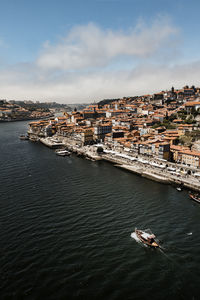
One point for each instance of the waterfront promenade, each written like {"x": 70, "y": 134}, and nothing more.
{"x": 155, "y": 173}
{"x": 152, "y": 168}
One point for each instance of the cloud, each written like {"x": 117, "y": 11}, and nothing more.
{"x": 90, "y": 86}
{"x": 81, "y": 66}
{"x": 91, "y": 47}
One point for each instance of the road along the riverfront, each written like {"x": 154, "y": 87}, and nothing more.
{"x": 157, "y": 170}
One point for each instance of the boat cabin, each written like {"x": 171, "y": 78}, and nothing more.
{"x": 148, "y": 237}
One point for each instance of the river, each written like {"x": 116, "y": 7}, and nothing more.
{"x": 66, "y": 226}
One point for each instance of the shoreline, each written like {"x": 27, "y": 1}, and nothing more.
{"x": 25, "y": 119}
{"x": 157, "y": 176}
{"x": 145, "y": 174}
{"x": 137, "y": 167}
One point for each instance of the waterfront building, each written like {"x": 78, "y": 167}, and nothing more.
{"x": 175, "y": 152}
{"x": 132, "y": 124}
{"x": 101, "y": 130}
{"x": 87, "y": 135}
{"x": 190, "y": 158}
{"x": 164, "y": 151}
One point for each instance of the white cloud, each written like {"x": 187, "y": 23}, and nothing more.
{"x": 90, "y": 47}
{"x": 80, "y": 67}
{"x": 98, "y": 85}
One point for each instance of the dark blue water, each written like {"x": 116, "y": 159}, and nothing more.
{"x": 65, "y": 226}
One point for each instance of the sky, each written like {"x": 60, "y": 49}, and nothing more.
{"x": 87, "y": 50}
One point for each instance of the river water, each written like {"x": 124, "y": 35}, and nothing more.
{"x": 66, "y": 226}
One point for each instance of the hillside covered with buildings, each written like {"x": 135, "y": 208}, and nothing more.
{"x": 163, "y": 125}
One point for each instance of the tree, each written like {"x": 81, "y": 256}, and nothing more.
{"x": 185, "y": 140}
{"x": 194, "y": 112}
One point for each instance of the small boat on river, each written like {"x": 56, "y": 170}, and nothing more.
{"x": 62, "y": 152}
{"x": 194, "y": 197}
{"x": 23, "y": 137}
{"x": 146, "y": 238}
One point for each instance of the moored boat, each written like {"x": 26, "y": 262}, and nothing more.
{"x": 23, "y": 137}
{"x": 194, "y": 197}
{"x": 62, "y": 152}
{"x": 146, "y": 238}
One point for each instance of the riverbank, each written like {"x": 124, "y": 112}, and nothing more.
{"x": 26, "y": 119}
{"x": 152, "y": 173}
{"x": 160, "y": 171}
{"x": 144, "y": 173}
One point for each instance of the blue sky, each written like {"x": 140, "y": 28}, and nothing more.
{"x": 75, "y": 51}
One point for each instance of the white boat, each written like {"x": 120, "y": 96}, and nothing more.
{"x": 179, "y": 189}
{"x": 62, "y": 152}
{"x": 147, "y": 238}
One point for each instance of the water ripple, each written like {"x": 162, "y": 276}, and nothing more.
{"x": 66, "y": 225}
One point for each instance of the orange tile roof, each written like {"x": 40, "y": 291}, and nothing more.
{"x": 189, "y": 152}
{"x": 178, "y": 148}
{"x": 192, "y": 103}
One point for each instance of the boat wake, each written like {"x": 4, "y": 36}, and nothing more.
{"x": 134, "y": 236}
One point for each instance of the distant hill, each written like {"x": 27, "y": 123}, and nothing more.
{"x": 45, "y": 106}
{"x": 78, "y": 106}
{"x": 107, "y": 101}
